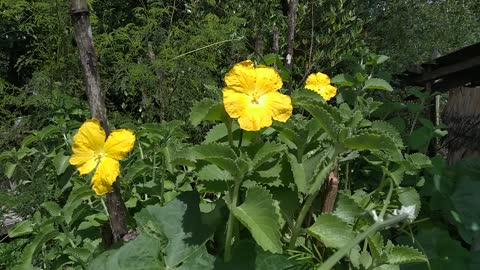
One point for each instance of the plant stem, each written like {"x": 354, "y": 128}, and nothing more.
{"x": 228, "y": 123}
{"x": 301, "y": 216}
{"x": 231, "y": 220}
{"x": 386, "y": 202}
{"x": 337, "y": 256}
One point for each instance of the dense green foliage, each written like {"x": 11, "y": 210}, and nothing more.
{"x": 203, "y": 194}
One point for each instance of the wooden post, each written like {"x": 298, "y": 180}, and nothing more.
{"x": 83, "y": 36}
{"x": 292, "y": 11}
{"x": 330, "y": 193}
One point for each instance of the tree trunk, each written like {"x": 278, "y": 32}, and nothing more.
{"x": 292, "y": 10}
{"x": 83, "y": 36}
{"x": 462, "y": 114}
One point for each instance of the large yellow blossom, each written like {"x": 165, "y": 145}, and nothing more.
{"x": 320, "y": 83}
{"x": 90, "y": 151}
{"x": 252, "y": 96}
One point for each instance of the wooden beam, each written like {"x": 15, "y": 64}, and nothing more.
{"x": 447, "y": 70}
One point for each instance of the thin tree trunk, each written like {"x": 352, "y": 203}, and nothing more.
{"x": 292, "y": 10}
{"x": 330, "y": 194}
{"x": 276, "y": 38}
{"x": 258, "y": 43}
{"x": 83, "y": 36}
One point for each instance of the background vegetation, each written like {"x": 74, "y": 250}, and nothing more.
{"x": 159, "y": 58}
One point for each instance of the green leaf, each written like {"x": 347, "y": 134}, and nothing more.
{"x": 298, "y": 173}
{"x": 143, "y": 253}
{"x": 180, "y": 222}
{"x": 75, "y": 199}
{"x": 199, "y": 260}
{"x": 53, "y": 208}
{"x": 347, "y": 209}
{"x": 404, "y": 254}
{"x": 381, "y": 59}
{"x": 327, "y": 116}
{"x": 260, "y": 214}
{"x": 214, "y": 150}
{"x": 388, "y": 129}
{"x": 10, "y": 169}
{"x": 343, "y": 80}
{"x": 332, "y": 231}
{"x": 212, "y": 172}
{"x": 60, "y": 162}
{"x": 379, "y": 84}
{"x": 409, "y": 196}
{"x": 207, "y": 109}
{"x": 45, "y": 234}
{"x": 266, "y": 152}
{"x": 369, "y": 141}
{"x": 23, "y": 228}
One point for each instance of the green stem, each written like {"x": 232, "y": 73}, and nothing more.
{"x": 386, "y": 202}
{"x": 301, "y": 217}
{"x": 231, "y": 221}
{"x": 337, "y": 256}
{"x": 228, "y": 123}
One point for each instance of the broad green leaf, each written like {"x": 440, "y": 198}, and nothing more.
{"x": 53, "y": 208}
{"x": 369, "y": 141}
{"x": 248, "y": 255}
{"x": 375, "y": 243}
{"x": 332, "y": 231}
{"x": 418, "y": 161}
{"x": 260, "y": 214}
{"x": 298, "y": 173}
{"x": 388, "y": 129}
{"x": 75, "y": 199}
{"x": 327, "y": 116}
{"x": 214, "y": 150}
{"x": 267, "y": 151}
{"x": 143, "y": 253}
{"x": 181, "y": 223}
{"x": 347, "y": 209}
{"x": 408, "y": 197}
{"x": 47, "y": 131}
{"x": 60, "y": 162}
{"x": 404, "y": 254}
{"x": 207, "y": 109}
{"x": 10, "y": 169}
{"x": 343, "y": 80}
{"x": 29, "y": 140}
{"x": 212, "y": 172}
{"x": 377, "y": 83}
{"x": 45, "y": 234}
{"x": 381, "y": 59}
{"x": 200, "y": 260}
{"x": 216, "y": 133}
{"x": 23, "y": 228}
{"x": 324, "y": 119}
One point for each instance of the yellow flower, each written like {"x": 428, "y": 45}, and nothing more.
{"x": 252, "y": 96}
{"x": 320, "y": 83}
{"x": 90, "y": 149}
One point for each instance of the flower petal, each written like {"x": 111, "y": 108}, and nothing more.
{"x": 254, "y": 118}
{"x": 241, "y": 77}
{"x": 234, "y": 102}
{"x": 106, "y": 174}
{"x": 119, "y": 143}
{"x": 87, "y": 144}
{"x": 278, "y": 105}
{"x": 267, "y": 80}
{"x": 316, "y": 81}
{"x": 328, "y": 92}
{"x": 85, "y": 163}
